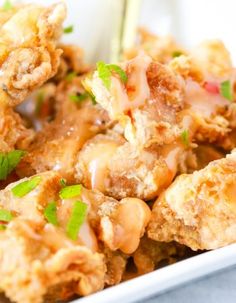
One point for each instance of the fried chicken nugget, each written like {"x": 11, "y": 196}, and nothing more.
{"x": 39, "y": 261}
{"x": 110, "y": 164}
{"x": 13, "y": 132}
{"x": 57, "y": 144}
{"x": 28, "y": 52}
{"x": 198, "y": 210}
{"x": 146, "y": 105}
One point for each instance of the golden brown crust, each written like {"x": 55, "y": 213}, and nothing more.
{"x": 28, "y": 51}
{"x": 198, "y": 209}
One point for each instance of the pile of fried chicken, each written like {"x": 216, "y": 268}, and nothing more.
{"x": 106, "y": 172}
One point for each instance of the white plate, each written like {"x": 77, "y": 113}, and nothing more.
{"x": 166, "y": 278}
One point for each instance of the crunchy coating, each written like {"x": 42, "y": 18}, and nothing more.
{"x": 34, "y": 265}
{"x": 57, "y": 144}
{"x": 119, "y": 169}
{"x": 198, "y": 210}
{"x": 150, "y": 254}
{"x": 13, "y": 131}
{"x": 28, "y": 52}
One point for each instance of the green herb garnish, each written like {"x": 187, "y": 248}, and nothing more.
{"x": 69, "y": 29}
{"x": 70, "y": 191}
{"x": 105, "y": 73}
{"x": 77, "y": 218}
{"x": 8, "y": 161}
{"x": 185, "y": 137}
{"x": 176, "y": 54}
{"x": 23, "y": 188}
{"x": 226, "y": 91}
{"x": 79, "y": 97}
{"x": 63, "y": 182}
{"x": 50, "y": 213}
{"x": 2, "y": 227}
{"x": 7, "y": 5}
{"x": 70, "y": 76}
{"x": 5, "y": 215}
{"x": 119, "y": 71}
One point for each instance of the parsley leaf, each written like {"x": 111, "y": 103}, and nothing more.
{"x": 8, "y": 161}
{"x": 226, "y": 91}
{"x": 7, "y": 5}
{"x": 185, "y": 137}
{"x": 105, "y": 73}
{"x": 63, "y": 182}
{"x": 70, "y": 76}
{"x": 176, "y": 54}
{"x": 70, "y": 191}
{"x": 78, "y": 98}
{"x": 119, "y": 71}
{"x": 77, "y": 218}
{"x": 5, "y": 215}
{"x": 50, "y": 213}
{"x": 23, "y": 188}
{"x": 69, "y": 29}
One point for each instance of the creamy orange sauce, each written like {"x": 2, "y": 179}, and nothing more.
{"x": 97, "y": 160}
{"x": 201, "y": 101}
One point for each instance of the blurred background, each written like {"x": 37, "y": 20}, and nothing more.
{"x": 97, "y": 22}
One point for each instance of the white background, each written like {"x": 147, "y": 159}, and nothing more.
{"x": 190, "y": 21}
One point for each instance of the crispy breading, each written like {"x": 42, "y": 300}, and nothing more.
{"x": 119, "y": 169}
{"x": 150, "y": 254}
{"x": 160, "y": 48}
{"x": 28, "y": 52}
{"x": 146, "y": 106}
{"x": 32, "y": 205}
{"x": 33, "y": 265}
{"x": 13, "y": 131}
{"x": 56, "y": 146}
{"x": 198, "y": 210}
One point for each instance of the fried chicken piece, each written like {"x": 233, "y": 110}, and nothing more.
{"x": 206, "y": 154}
{"x": 146, "y": 105}
{"x": 28, "y": 52}
{"x": 150, "y": 254}
{"x": 72, "y": 61}
{"x": 31, "y": 206}
{"x": 198, "y": 210}
{"x": 117, "y": 168}
{"x": 56, "y": 146}
{"x": 116, "y": 262}
{"x": 13, "y": 131}
{"x": 161, "y": 48}
{"x": 39, "y": 261}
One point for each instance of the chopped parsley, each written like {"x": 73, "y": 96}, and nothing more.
{"x": 70, "y": 191}
{"x": 78, "y": 98}
{"x": 50, "y": 213}
{"x": 63, "y": 182}
{"x": 226, "y": 90}
{"x": 176, "y": 53}
{"x": 7, "y": 5}
{"x": 69, "y": 29}
{"x": 23, "y": 188}
{"x": 76, "y": 219}
{"x": 8, "y": 161}
{"x": 119, "y": 71}
{"x": 5, "y": 215}
{"x": 70, "y": 76}
{"x": 105, "y": 73}
{"x": 185, "y": 137}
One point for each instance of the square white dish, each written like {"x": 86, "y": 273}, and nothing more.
{"x": 166, "y": 278}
